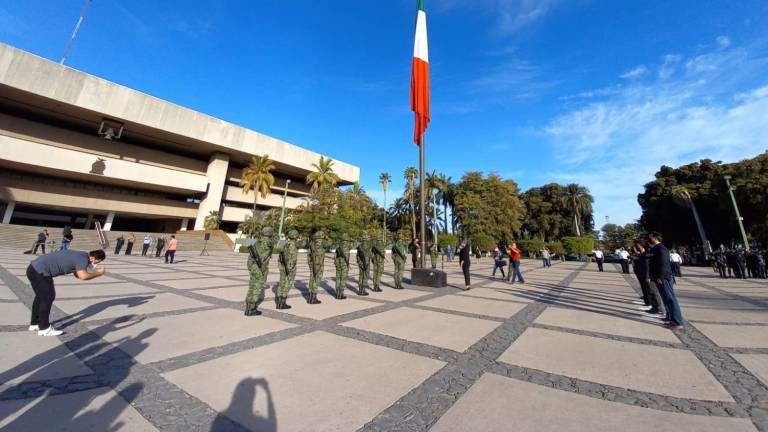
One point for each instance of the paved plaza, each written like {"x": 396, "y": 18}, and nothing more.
{"x": 151, "y": 346}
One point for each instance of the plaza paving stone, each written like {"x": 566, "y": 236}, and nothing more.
{"x": 172, "y": 343}
{"x": 432, "y": 328}
{"x": 301, "y": 385}
{"x": 735, "y": 336}
{"x": 755, "y": 363}
{"x": 28, "y": 357}
{"x": 497, "y": 403}
{"x": 172, "y": 336}
{"x": 676, "y": 372}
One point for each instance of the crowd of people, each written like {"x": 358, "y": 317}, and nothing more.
{"x": 43, "y": 239}
{"x": 740, "y": 264}
{"x": 170, "y": 245}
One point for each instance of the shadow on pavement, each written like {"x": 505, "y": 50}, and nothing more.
{"x": 241, "y": 409}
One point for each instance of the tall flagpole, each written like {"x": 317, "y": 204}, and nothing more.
{"x": 422, "y": 201}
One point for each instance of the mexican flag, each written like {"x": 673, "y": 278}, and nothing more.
{"x": 420, "y": 74}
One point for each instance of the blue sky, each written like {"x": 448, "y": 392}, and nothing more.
{"x": 596, "y": 92}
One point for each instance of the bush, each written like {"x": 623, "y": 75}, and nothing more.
{"x": 531, "y": 246}
{"x": 483, "y": 242}
{"x": 579, "y": 245}
{"x": 556, "y": 247}
{"x": 445, "y": 239}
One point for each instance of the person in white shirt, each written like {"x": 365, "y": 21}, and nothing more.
{"x": 676, "y": 260}
{"x": 624, "y": 261}
{"x": 599, "y": 259}
{"x": 145, "y": 246}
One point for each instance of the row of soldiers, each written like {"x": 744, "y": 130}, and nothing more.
{"x": 370, "y": 256}
{"x": 741, "y": 264}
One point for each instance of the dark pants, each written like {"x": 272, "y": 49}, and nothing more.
{"x": 514, "y": 271}
{"x": 118, "y": 246}
{"x": 45, "y": 294}
{"x": 129, "y": 248}
{"x": 465, "y": 270}
{"x": 651, "y": 296}
{"x": 157, "y": 253}
{"x": 676, "y": 270}
{"x": 415, "y": 260}
{"x": 498, "y": 265}
{"x": 670, "y": 301}
{"x": 144, "y": 249}
{"x": 624, "y": 267}
{"x": 721, "y": 270}
{"x": 38, "y": 244}
{"x": 169, "y": 255}
{"x": 600, "y": 264}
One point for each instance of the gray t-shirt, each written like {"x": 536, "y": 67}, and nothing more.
{"x": 61, "y": 263}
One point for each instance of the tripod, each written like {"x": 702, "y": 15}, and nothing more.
{"x": 205, "y": 249}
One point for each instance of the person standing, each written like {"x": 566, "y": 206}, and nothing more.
{"x": 378, "y": 253}
{"x": 498, "y": 263}
{"x": 651, "y": 297}
{"x": 449, "y": 252}
{"x": 465, "y": 259}
{"x": 599, "y": 259}
{"x": 145, "y": 245}
{"x": 433, "y": 252}
{"x": 316, "y": 258}
{"x": 41, "y": 272}
{"x": 545, "y": 258}
{"x": 415, "y": 253}
{"x": 42, "y": 237}
{"x": 119, "y": 244}
{"x": 341, "y": 260}
{"x": 170, "y": 253}
{"x": 741, "y": 264}
{"x": 398, "y": 258}
{"x": 159, "y": 246}
{"x": 676, "y": 260}
{"x": 720, "y": 263}
{"x": 66, "y": 238}
{"x": 624, "y": 256}
{"x": 514, "y": 261}
{"x": 129, "y": 246}
{"x": 259, "y": 255}
{"x": 287, "y": 265}
{"x": 363, "y": 258}
{"x": 660, "y": 272}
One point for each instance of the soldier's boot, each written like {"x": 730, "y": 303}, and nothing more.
{"x": 313, "y": 299}
{"x": 282, "y": 303}
{"x": 251, "y": 309}
{"x": 340, "y": 294}
{"x": 362, "y": 291}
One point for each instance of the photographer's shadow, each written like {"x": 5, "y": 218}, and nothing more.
{"x": 241, "y": 410}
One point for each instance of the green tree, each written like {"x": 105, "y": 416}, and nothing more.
{"x": 579, "y": 245}
{"x": 488, "y": 206}
{"x": 212, "y": 221}
{"x": 257, "y": 176}
{"x": 579, "y": 201}
{"x": 323, "y": 177}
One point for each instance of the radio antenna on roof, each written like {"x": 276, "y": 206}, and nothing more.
{"x": 83, "y": 12}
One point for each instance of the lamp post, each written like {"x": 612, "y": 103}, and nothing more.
{"x": 739, "y": 219}
{"x": 282, "y": 211}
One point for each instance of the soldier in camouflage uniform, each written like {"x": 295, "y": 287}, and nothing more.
{"x": 433, "y": 255}
{"x": 398, "y": 257}
{"x": 363, "y": 264}
{"x": 258, "y": 266}
{"x": 316, "y": 259}
{"x": 341, "y": 260}
{"x": 377, "y": 256}
{"x": 287, "y": 261}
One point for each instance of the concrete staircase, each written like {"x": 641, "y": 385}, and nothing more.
{"x": 22, "y": 237}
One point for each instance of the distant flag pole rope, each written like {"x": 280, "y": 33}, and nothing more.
{"x": 420, "y": 108}
{"x": 83, "y": 13}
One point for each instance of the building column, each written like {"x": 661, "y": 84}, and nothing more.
{"x": 184, "y": 224}
{"x": 108, "y": 223}
{"x": 9, "y": 212}
{"x": 217, "y": 177}
{"x": 89, "y": 221}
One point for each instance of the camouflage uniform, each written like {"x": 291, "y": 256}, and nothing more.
{"x": 262, "y": 249}
{"x": 316, "y": 259}
{"x": 288, "y": 258}
{"x": 377, "y": 256}
{"x": 398, "y": 257}
{"x": 363, "y": 265}
{"x": 433, "y": 255}
{"x": 341, "y": 259}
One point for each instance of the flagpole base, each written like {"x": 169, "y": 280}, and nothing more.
{"x": 429, "y": 277}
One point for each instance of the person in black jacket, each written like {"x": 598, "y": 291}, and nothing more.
{"x": 641, "y": 266}
{"x": 660, "y": 272}
{"x": 464, "y": 261}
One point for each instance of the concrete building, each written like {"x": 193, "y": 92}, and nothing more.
{"x": 76, "y": 148}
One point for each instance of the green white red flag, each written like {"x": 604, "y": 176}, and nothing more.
{"x": 420, "y": 75}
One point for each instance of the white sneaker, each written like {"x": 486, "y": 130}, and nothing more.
{"x": 644, "y": 308}
{"x": 34, "y": 328}
{"x": 50, "y": 331}
{"x": 638, "y": 302}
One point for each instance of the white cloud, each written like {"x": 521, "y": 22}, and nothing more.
{"x": 723, "y": 41}
{"x": 713, "y": 108}
{"x": 511, "y": 15}
{"x": 635, "y": 73}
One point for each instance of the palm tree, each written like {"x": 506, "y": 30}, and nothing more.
{"x": 399, "y": 212}
{"x": 410, "y": 175}
{"x": 385, "y": 179}
{"x": 579, "y": 201}
{"x": 257, "y": 177}
{"x": 323, "y": 177}
{"x": 212, "y": 221}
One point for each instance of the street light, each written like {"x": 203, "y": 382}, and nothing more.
{"x": 739, "y": 219}
{"x": 282, "y": 212}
